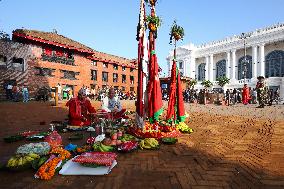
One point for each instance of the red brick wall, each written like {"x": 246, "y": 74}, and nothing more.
{"x": 82, "y": 65}
{"x": 110, "y": 71}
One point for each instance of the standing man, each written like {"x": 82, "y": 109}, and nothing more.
{"x": 59, "y": 91}
{"x": 9, "y": 91}
{"x": 260, "y": 87}
{"x": 25, "y": 93}
{"x": 15, "y": 91}
{"x": 228, "y": 97}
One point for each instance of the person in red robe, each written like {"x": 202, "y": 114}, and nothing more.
{"x": 245, "y": 94}
{"x": 80, "y": 109}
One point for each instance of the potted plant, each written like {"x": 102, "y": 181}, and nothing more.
{"x": 222, "y": 81}
{"x": 207, "y": 83}
{"x": 152, "y": 2}
{"x": 192, "y": 83}
{"x": 153, "y": 22}
{"x": 177, "y": 32}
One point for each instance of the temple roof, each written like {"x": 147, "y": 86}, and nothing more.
{"x": 51, "y": 38}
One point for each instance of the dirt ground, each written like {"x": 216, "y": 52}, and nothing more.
{"x": 231, "y": 147}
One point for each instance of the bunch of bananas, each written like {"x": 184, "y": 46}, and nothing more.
{"x": 20, "y": 160}
{"x": 149, "y": 143}
{"x": 127, "y": 137}
{"x": 98, "y": 146}
{"x": 184, "y": 128}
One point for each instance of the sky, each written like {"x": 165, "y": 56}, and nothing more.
{"x": 110, "y": 25}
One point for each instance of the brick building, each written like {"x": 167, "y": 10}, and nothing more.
{"x": 40, "y": 59}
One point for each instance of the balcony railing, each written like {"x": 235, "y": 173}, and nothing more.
{"x": 58, "y": 59}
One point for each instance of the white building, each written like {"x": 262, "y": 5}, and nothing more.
{"x": 264, "y": 57}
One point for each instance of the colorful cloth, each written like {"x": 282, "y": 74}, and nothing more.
{"x": 176, "y": 112}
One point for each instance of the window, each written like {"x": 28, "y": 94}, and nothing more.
{"x": 221, "y": 69}
{"x": 115, "y": 77}
{"x": 123, "y": 88}
{"x": 180, "y": 65}
{"x": 131, "y": 69}
{"x": 44, "y": 72}
{"x": 59, "y": 53}
{"x": 70, "y": 55}
{"x": 131, "y": 88}
{"x": 105, "y": 76}
{"x": 201, "y": 72}
{"x": 115, "y": 67}
{"x": 164, "y": 86}
{"x": 274, "y": 64}
{"x": 123, "y": 68}
{"x": 69, "y": 75}
{"x": 48, "y": 51}
{"x": 3, "y": 60}
{"x": 123, "y": 78}
{"x": 94, "y": 63}
{"x": 245, "y": 67}
{"x": 94, "y": 75}
{"x": 18, "y": 64}
{"x": 132, "y": 79}
{"x": 105, "y": 65}
{"x": 115, "y": 88}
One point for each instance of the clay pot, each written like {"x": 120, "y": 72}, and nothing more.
{"x": 152, "y": 26}
{"x": 176, "y": 36}
{"x": 153, "y": 2}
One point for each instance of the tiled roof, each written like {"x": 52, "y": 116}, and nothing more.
{"x": 52, "y": 37}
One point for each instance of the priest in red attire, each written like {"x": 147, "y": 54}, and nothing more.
{"x": 80, "y": 109}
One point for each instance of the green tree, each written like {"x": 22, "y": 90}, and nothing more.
{"x": 4, "y": 35}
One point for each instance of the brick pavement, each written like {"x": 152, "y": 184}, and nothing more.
{"x": 223, "y": 152}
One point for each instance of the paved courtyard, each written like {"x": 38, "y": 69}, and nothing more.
{"x": 231, "y": 147}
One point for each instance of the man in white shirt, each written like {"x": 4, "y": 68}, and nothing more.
{"x": 59, "y": 91}
{"x": 112, "y": 105}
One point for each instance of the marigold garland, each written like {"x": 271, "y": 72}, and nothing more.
{"x": 63, "y": 154}
{"x": 47, "y": 170}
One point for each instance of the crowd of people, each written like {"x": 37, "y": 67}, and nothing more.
{"x": 100, "y": 93}
{"x": 16, "y": 93}
{"x": 261, "y": 95}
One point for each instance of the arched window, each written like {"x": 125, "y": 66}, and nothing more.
{"x": 201, "y": 72}
{"x": 220, "y": 68}
{"x": 274, "y": 64}
{"x": 245, "y": 67}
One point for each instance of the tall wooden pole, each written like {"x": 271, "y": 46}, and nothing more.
{"x": 56, "y": 96}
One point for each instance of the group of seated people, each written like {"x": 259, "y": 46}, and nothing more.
{"x": 81, "y": 109}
